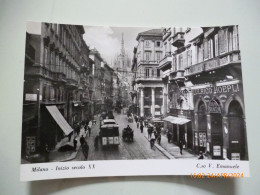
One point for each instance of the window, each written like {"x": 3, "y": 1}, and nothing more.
{"x": 147, "y": 72}
{"x": 222, "y": 41}
{"x": 46, "y": 56}
{"x": 180, "y": 62}
{"x": 147, "y": 43}
{"x": 230, "y": 42}
{"x": 189, "y": 57}
{"x": 158, "y": 44}
{"x": 147, "y": 56}
{"x": 216, "y": 45}
{"x": 158, "y": 72}
{"x": 158, "y": 56}
{"x": 206, "y": 49}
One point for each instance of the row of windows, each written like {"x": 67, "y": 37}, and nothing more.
{"x": 148, "y": 56}
{"x": 147, "y": 43}
{"x": 225, "y": 40}
{"x": 57, "y": 64}
{"x": 50, "y": 93}
{"x": 68, "y": 38}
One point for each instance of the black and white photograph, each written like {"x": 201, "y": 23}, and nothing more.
{"x": 99, "y": 93}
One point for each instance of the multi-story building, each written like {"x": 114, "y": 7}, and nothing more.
{"x": 177, "y": 102}
{"x": 53, "y": 66}
{"x": 108, "y": 87}
{"x": 204, "y": 92}
{"x": 98, "y": 75}
{"x": 219, "y": 126}
{"x": 148, "y": 80}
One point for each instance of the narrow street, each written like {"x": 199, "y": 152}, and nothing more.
{"x": 139, "y": 149}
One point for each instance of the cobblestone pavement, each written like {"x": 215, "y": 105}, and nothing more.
{"x": 139, "y": 149}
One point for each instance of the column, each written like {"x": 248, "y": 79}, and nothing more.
{"x": 153, "y": 101}
{"x": 141, "y": 102}
{"x": 165, "y": 93}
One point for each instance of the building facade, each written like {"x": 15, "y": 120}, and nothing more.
{"x": 53, "y": 85}
{"x": 148, "y": 81}
{"x": 203, "y": 90}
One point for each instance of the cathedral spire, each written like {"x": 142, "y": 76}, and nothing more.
{"x": 122, "y": 45}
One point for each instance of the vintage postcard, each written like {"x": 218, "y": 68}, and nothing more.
{"x": 124, "y": 101}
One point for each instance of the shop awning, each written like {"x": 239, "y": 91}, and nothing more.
{"x": 176, "y": 120}
{"x": 60, "y": 120}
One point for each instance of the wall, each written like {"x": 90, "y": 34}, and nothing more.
{"x": 13, "y": 15}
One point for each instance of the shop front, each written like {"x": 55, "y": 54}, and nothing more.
{"x": 219, "y": 121}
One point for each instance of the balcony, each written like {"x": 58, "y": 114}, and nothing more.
{"x": 178, "y": 40}
{"x": 226, "y": 59}
{"x": 71, "y": 83}
{"x": 151, "y": 62}
{"x": 166, "y": 62}
{"x": 146, "y": 78}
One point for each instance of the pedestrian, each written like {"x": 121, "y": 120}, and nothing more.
{"x": 169, "y": 136}
{"x": 96, "y": 142}
{"x": 46, "y": 153}
{"x": 69, "y": 137}
{"x": 152, "y": 140}
{"x": 142, "y": 127}
{"x": 181, "y": 146}
{"x": 89, "y": 130}
{"x": 137, "y": 123}
{"x": 75, "y": 141}
{"x": 82, "y": 140}
{"x": 150, "y": 130}
{"x": 201, "y": 156}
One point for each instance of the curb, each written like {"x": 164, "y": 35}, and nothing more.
{"x": 162, "y": 150}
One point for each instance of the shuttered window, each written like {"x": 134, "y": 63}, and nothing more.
{"x": 206, "y": 49}
{"x": 185, "y": 59}
{"x": 180, "y": 62}
{"x": 216, "y": 45}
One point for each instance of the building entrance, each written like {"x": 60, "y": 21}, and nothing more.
{"x": 237, "y": 130}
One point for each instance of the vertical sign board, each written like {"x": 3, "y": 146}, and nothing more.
{"x": 30, "y": 144}
{"x": 235, "y": 156}
{"x": 216, "y": 150}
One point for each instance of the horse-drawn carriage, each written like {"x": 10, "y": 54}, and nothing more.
{"x": 128, "y": 134}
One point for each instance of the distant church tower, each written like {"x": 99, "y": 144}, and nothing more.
{"x": 122, "y": 55}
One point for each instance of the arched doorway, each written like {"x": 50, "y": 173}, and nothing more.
{"x": 237, "y": 141}
{"x": 216, "y": 129}
{"x": 202, "y": 126}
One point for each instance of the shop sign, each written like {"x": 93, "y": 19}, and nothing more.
{"x": 31, "y": 97}
{"x": 234, "y": 88}
{"x": 196, "y": 139}
{"x": 235, "y": 156}
{"x": 216, "y": 150}
{"x": 202, "y": 139}
{"x": 30, "y": 144}
{"x": 224, "y": 153}
{"x": 208, "y": 148}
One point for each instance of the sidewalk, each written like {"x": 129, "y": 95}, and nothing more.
{"x": 56, "y": 156}
{"x": 170, "y": 150}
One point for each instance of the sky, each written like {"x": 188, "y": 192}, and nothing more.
{"x": 107, "y": 40}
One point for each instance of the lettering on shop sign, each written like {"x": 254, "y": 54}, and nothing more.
{"x": 217, "y": 90}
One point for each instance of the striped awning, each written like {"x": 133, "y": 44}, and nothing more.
{"x": 60, "y": 120}
{"x": 176, "y": 120}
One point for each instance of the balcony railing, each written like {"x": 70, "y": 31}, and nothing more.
{"x": 148, "y": 62}
{"x": 178, "y": 39}
{"x": 72, "y": 83}
{"x": 148, "y": 78}
{"x": 214, "y": 63}
{"x": 167, "y": 60}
